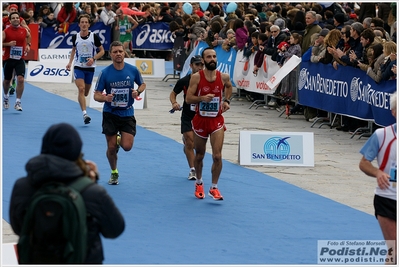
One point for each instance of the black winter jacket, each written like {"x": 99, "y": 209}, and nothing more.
{"x": 105, "y": 216}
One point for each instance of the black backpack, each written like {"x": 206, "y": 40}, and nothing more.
{"x": 54, "y": 228}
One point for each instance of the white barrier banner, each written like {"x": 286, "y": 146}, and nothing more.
{"x": 276, "y": 148}
{"x": 283, "y": 71}
{"x": 245, "y": 79}
{"x": 48, "y": 72}
{"x": 51, "y": 55}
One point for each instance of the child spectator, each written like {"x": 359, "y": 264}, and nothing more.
{"x": 230, "y": 41}
{"x": 44, "y": 11}
{"x": 50, "y": 21}
{"x": 259, "y": 56}
{"x": 289, "y": 84}
{"x": 283, "y": 46}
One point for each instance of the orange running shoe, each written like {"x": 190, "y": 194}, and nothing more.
{"x": 215, "y": 194}
{"x": 199, "y": 191}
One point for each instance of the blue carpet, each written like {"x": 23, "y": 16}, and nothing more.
{"x": 261, "y": 221}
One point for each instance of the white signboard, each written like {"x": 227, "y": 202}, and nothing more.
{"x": 149, "y": 67}
{"x": 48, "y": 72}
{"x": 276, "y": 148}
{"x": 244, "y": 78}
{"x": 284, "y": 71}
{"x": 58, "y": 55}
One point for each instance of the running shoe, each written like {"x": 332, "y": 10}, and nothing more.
{"x": 6, "y": 103}
{"x": 199, "y": 191}
{"x": 215, "y": 194}
{"x": 12, "y": 87}
{"x": 11, "y": 91}
{"x": 118, "y": 142}
{"x": 86, "y": 119}
{"x": 114, "y": 179}
{"x": 192, "y": 175}
{"x": 18, "y": 106}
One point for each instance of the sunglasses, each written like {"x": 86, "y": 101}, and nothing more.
{"x": 198, "y": 64}
{"x": 273, "y": 31}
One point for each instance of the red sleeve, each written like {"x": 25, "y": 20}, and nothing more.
{"x": 199, "y": 13}
{"x": 61, "y": 15}
{"x": 73, "y": 16}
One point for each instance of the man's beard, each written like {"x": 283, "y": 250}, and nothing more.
{"x": 211, "y": 65}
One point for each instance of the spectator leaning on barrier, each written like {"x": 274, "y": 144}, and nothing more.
{"x": 356, "y": 46}
{"x": 377, "y": 59}
{"x": 344, "y": 45}
{"x": 50, "y": 21}
{"x": 366, "y": 39}
{"x": 385, "y": 71}
{"x": 319, "y": 49}
{"x": 276, "y": 38}
{"x": 330, "y": 42}
{"x": 108, "y": 16}
{"x": 67, "y": 14}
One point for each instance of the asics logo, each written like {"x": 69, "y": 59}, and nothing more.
{"x": 40, "y": 69}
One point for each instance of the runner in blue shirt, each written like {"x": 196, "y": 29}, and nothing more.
{"x": 115, "y": 87}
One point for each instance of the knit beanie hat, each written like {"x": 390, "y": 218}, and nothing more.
{"x": 62, "y": 140}
{"x": 280, "y": 22}
{"x": 340, "y": 18}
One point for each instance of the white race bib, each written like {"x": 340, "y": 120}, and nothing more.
{"x": 121, "y": 97}
{"x": 122, "y": 29}
{"x": 209, "y": 109}
{"x": 16, "y": 52}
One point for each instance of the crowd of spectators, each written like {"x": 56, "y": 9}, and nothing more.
{"x": 360, "y": 35}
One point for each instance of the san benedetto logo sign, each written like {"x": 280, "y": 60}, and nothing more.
{"x": 276, "y": 148}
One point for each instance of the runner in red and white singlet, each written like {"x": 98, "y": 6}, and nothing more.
{"x": 206, "y": 91}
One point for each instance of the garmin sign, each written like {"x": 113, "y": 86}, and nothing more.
{"x": 52, "y": 55}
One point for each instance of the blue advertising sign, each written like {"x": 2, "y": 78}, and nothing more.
{"x": 152, "y": 36}
{"x": 357, "y": 95}
{"x": 50, "y": 39}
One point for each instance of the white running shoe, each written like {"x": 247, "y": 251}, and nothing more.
{"x": 18, "y": 106}
{"x": 6, "y": 103}
{"x": 192, "y": 175}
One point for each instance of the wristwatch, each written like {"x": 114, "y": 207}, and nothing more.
{"x": 226, "y": 100}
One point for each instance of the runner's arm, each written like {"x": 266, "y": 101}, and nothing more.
{"x": 228, "y": 87}
{"x": 71, "y": 57}
{"x": 134, "y": 22}
{"x": 191, "y": 98}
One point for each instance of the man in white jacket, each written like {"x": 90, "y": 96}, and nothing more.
{"x": 107, "y": 15}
